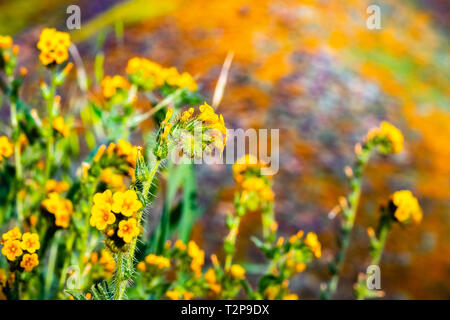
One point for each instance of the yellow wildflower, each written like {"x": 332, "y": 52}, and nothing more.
{"x": 291, "y": 296}
{"x": 180, "y": 245}
{"x": 29, "y": 261}
{"x": 128, "y": 229}
{"x": 237, "y": 271}
{"x": 407, "y": 206}
{"x": 159, "y": 261}
{"x": 101, "y": 216}
{"x": 99, "y": 153}
{"x": 198, "y": 258}
{"x": 126, "y": 203}
{"x": 12, "y": 249}
{"x": 53, "y": 46}
{"x": 6, "y": 148}
{"x": 59, "y": 125}
{"x": 6, "y": 42}
{"x": 141, "y": 266}
{"x": 173, "y": 294}
{"x": 187, "y": 295}
{"x": 30, "y": 242}
{"x": 110, "y": 85}
{"x": 313, "y": 242}
{"x": 113, "y": 179}
{"x": 103, "y": 198}
{"x": 55, "y": 186}
{"x": 13, "y": 234}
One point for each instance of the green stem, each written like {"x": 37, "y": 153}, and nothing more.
{"x": 120, "y": 282}
{"x": 145, "y": 190}
{"x": 377, "y": 247}
{"x": 50, "y": 137}
{"x": 231, "y": 239}
{"x": 51, "y": 266}
{"x": 17, "y": 159}
{"x": 349, "y": 215}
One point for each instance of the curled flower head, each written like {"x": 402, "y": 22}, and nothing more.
{"x": 390, "y": 137}
{"x": 56, "y": 186}
{"x": 128, "y": 229}
{"x": 29, "y": 261}
{"x": 6, "y": 148}
{"x": 54, "y": 46}
{"x": 407, "y": 207}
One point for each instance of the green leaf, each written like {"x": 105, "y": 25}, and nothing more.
{"x": 76, "y": 294}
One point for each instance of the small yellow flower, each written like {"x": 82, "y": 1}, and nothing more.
{"x": 59, "y": 125}
{"x": 12, "y": 249}
{"x": 198, "y": 258}
{"x": 187, "y": 295}
{"x": 126, "y": 203}
{"x": 210, "y": 276}
{"x": 55, "y": 186}
{"x": 6, "y": 42}
{"x": 6, "y": 148}
{"x": 128, "y": 229}
{"x": 101, "y": 216}
{"x": 159, "y": 261}
{"x": 13, "y": 234}
{"x": 237, "y": 271}
{"x": 180, "y": 245}
{"x": 300, "y": 267}
{"x": 29, "y": 261}
{"x": 173, "y": 294}
{"x": 407, "y": 207}
{"x": 110, "y": 85}
{"x": 313, "y": 242}
{"x": 103, "y": 198}
{"x": 291, "y": 296}
{"x": 141, "y": 266}
{"x": 30, "y": 242}
{"x": 99, "y": 153}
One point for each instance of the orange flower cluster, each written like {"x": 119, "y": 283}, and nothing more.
{"x": 116, "y": 214}
{"x": 407, "y": 207}
{"x": 59, "y": 125}
{"x": 110, "y": 85}
{"x": 61, "y": 208}
{"x": 149, "y": 74}
{"x": 105, "y": 262}
{"x": 123, "y": 149}
{"x": 16, "y": 245}
{"x": 56, "y": 186}
{"x": 54, "y": 46}
{"x": 198, "y": 258}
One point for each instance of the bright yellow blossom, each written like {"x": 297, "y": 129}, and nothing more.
{"x": 6, "y": 42}
{"x": 126, "y": 203}
{"x": 13, "y": 234}
{"x": 110, "y": 85}
{"x": 59, "y": 125}
{"x": 56, "y": 186}
{"x": 6, "y": 148}
{"x": 53, "y": 46}
{"x": 30, "y": 242}
{"x": 101, "y": 216}
{"x": 128, "y": 229}
{"x": 407, "y": 207}
{"x": 29, "y": 261}
{"x": 237, "y": 271}
{"x": 312, "y": 241}
{"x": 12, "y": 249}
